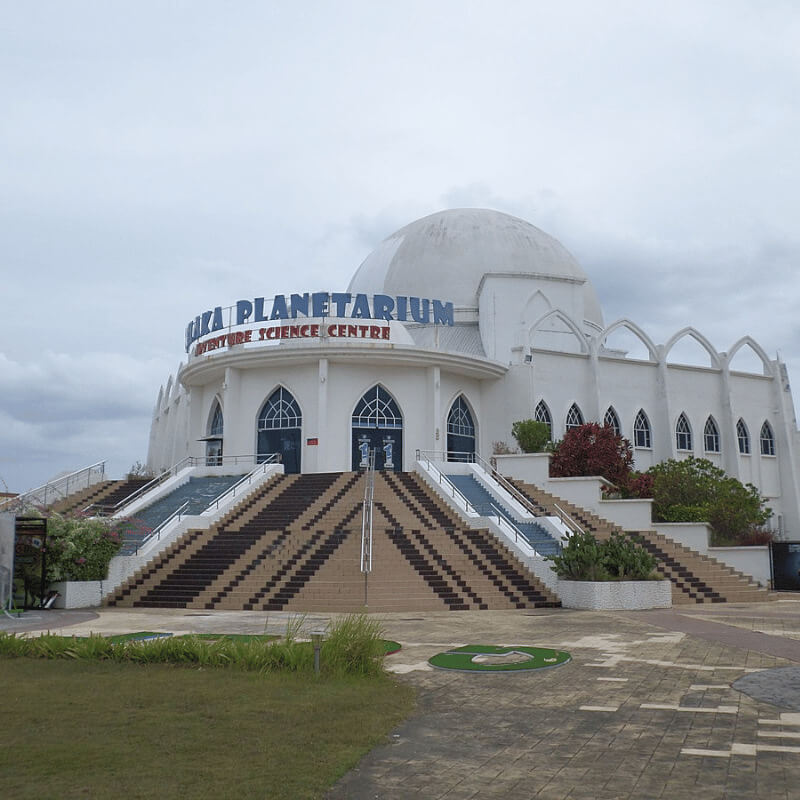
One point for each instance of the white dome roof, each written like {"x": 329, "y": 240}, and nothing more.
{"x": 447, "y": 254}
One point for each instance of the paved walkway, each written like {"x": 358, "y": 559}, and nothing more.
{"x": 645, "y": 709}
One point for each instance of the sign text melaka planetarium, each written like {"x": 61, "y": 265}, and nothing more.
{"x": 316, "y": 305}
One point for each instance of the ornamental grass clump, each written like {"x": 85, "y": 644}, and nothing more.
{"x": 584, "y": 558}
{"x": 352, "y": 646}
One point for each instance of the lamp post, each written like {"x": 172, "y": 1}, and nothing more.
{"x": 316, "y": 639}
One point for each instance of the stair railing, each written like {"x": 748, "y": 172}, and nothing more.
{"x": 443, "y": 480}
{"x": 261, "y": 468}
{"x": 156, "y": 532}
{"x": 366, "y": 519}
{"x": 58, "y": 488}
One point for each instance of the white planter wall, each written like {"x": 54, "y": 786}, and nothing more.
{"x": 615, "y": 595}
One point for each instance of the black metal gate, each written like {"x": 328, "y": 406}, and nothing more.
{"x": 785, "y": 558}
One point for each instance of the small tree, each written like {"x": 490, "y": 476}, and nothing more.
{"x": 531, "y": 435}
{"x": 694, "y": 490}
{"x": 593, "y": 449}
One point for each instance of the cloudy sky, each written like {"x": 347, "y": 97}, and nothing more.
{"x": 159, "y": 158}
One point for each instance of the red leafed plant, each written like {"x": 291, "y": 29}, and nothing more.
{"x": 593, "y": 449}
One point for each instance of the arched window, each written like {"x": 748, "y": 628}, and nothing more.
{"x": 683, "y": 433}
{"x": 460, "y": 432}
{"x": 611, "y": 420}
{"x": 280, "y": 429}
{"x": 214, "y": 438}
{"x": 217, "y": 422}
{"x": 377, "y": 426}
{"x": 711, "y": 436}
{"x": 767, "y": 440}
{"x": 743, "y": 437}
{"x": 542, "y": 414}
{"x": 641, "y": 430}
{"x": 574, "y": 417}
{"x": 377, "y": 409}
{"x": 280, "y": 411}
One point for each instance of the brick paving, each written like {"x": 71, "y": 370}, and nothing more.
{"x": 646, "y": 708}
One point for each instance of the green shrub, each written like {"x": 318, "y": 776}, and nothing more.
{"x": 80, "y": 548}
{"x": 694, "y": 490}
{"x": 531, "y": 435}
{"x": 619, "y": 558}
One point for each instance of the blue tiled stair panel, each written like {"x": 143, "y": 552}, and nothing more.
{"x": 483, "y": 500}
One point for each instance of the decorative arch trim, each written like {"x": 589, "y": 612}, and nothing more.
{"x": 747, "y": 341}
{"x": 699, "y": 338}
{"x": 635, "y": 330}
{"x": 557, "y": 313}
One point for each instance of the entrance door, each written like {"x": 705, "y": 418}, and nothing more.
{"x": 280, "y": 429}
{"x": 284, "y": 441}
{"x": 377, "y": 425}
{"x": 460, "y": 432}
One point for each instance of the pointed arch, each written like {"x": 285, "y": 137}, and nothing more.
{"x": 693, "y": 333}
{"x": 558, "y": 314}
{"x": 611, "y": 420}
{"x": 216, "y": 419}
{"x": 747, "y": 341}
{"x": 536, "y": 306}
{"x": 743, "y": 437}
{"x": 635, "y": 330}
{"x": 574, "y": 417}
{"x": 683, "y": 433}
{"x": 160, "y": 398}
{"x": 168, "y": 391}
{"x": 377, "y": 427}
{"x": 460, "y": 431}
{"x": 767, "y": 440}
{"x": 711, "y": 436}
{"x": 641, "y": 431}
{"x": 279, "y": 429}
{"x": 214, "y": 438}
{"x": 542, "y": 414}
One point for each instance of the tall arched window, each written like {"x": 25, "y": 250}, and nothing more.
{"x": 611, "y": 420}
{"x": 542, "y": 414}
{"x": 574, "y": 417}
{"x": 377, "y": 425}
{"x": 460, "y": 432}
{"x": 743, "y": 437}
{"x": 711, "y": 436}
{"x": 767, "y": 440}
{"x": 217, "y": 422}
{"x": 214, "y": 438}
{"x": 641, "y": 430}
{"x": 683, "y": 433}
{"x": 279, "y": 429}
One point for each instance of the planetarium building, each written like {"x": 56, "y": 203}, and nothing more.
{"x": 456, "y": 326}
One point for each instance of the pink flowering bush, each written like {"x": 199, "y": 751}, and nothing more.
{"x": 80, "y": 548}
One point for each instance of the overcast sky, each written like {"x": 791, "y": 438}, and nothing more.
{"x": 160, "y": 158}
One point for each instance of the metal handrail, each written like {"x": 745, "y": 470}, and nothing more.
{"x": 156, "y": 532}
{"x": 565, "y": 518}
{"x": 272, "y": 458}
{"x": 445, "y": 481}
{"x": 56, "y": 485}
{"x": 186, "y": 461}
{"x": 366, "y": 517}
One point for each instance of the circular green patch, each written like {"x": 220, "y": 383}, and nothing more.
{"x": 390, "y": 647}
{"x": 493, "y": 658}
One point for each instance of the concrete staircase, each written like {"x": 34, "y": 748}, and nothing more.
{"x": 695, "y": 578}
{"x": 294, "y": 544}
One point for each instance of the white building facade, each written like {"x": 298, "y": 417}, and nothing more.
{"x": 453, "y": 328}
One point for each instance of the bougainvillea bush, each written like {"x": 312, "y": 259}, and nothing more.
{"x": 80, "y": 548}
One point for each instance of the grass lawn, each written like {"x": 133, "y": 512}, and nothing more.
{"x": 83, "y": 729}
